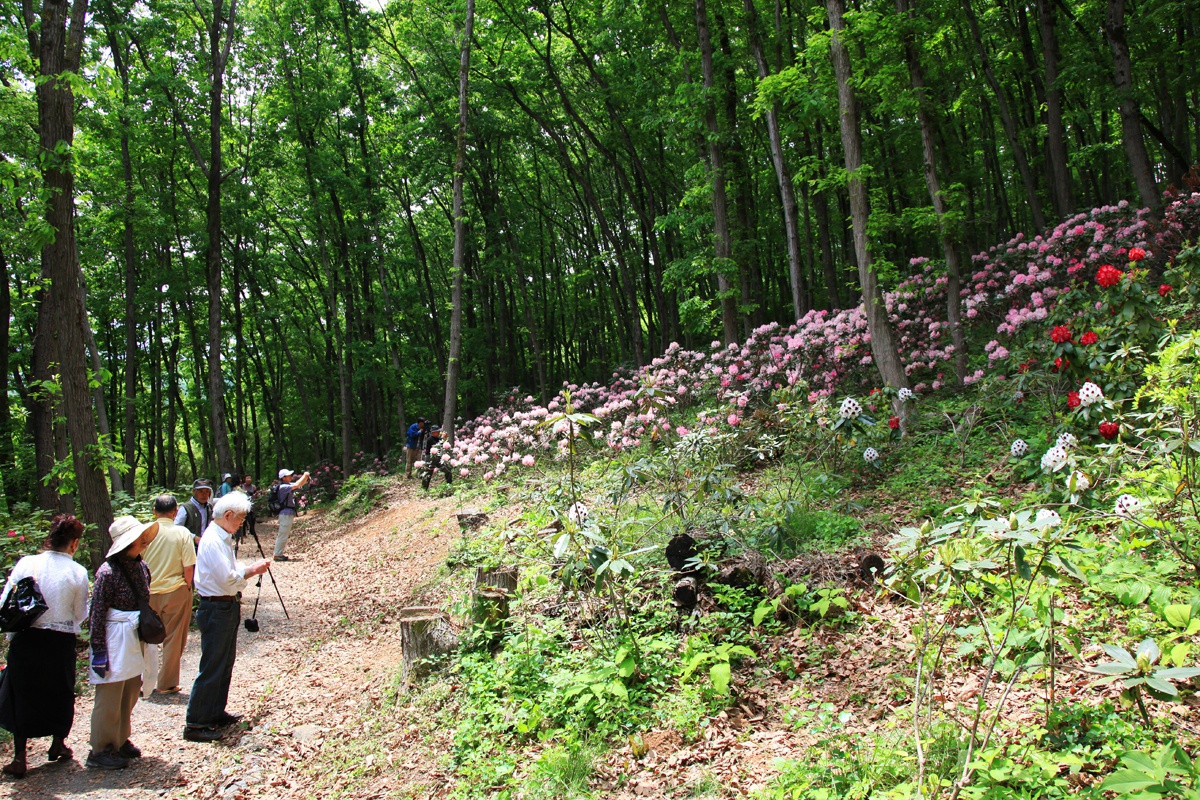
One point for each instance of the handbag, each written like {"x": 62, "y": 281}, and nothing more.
{"x": 150, "y": 625}
{"x": 22, "y": 607}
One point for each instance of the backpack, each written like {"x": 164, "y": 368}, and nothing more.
{"x": 274, "y": 504}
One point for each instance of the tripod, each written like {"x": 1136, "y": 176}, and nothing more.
{"x": 237, "y": 540}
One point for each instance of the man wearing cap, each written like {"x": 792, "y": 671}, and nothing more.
{"x": 287, "y": 507}
{"x": 219, "y": 580}
{"x": 196, "y": 513}
{"x": 117, "y": 660}
{"x": 413, "y": 443}
{"x": 171, "y": 557}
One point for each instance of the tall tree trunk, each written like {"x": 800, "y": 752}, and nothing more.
{"x": 887, "y": 360}
{"x": 723, "y": 256}
{"x": 1056, "y": 132}
{"x": 453, "y": 367}
{"x": 57, "y": 49}
{"x": 98, "y": 399}
{"x": 6, "y": 441}
{"x": 1131, "y": 115}
{"x": 948, "y": 237}
{"x": 1010, "y": 124}
{"x": 787, "y": 192}
{"x": 218, "y": 52}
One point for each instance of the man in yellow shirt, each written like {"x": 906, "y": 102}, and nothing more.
{"x": 171, "y": 557}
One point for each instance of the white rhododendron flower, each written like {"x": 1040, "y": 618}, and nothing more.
{"x": 905, "y": 394}
{"x": 1018, "y": 448}
{"x": 870, "y": 455}
{"x": 577, "y": 513}
{"x": 1089, "y": 394}
{"x": 850, "y": 408}
{"x": 1054, "y": 459}
{"x": 1079, "y": 481}
{"x": 1067, "y": 440}
{"x": 1047, "y": 518}
{"x": 1128, "y": 505}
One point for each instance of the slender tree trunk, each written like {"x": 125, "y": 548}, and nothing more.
{"x": 1010, "y": 124}
{"x": 6, "y": 441}
{"x": 1131, "y": 115}
{"x": 947, "y": 236}
{"x": 57, "y": 48}
{"x": 98, "y": 399}
{"x": 453, "y": 367}
{"x": 1056, "y": 132}
{"x": 887, "y": 360}
{"x": 218, "y": 52}
{"x": 724, "y": 263}
{"x": 787, "y": 192}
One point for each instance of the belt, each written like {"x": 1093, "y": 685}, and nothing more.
{"x": 224, "y": 598}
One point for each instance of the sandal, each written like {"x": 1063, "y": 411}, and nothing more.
{"x": 59, "y": 752}
{"x": 172, "y": 690}
{"x": 16, "y": 768}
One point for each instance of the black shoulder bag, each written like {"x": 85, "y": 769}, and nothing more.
{"x": 150, "y": 625}
{"x": 23, "y": 606}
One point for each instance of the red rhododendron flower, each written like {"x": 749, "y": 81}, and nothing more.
{"x": 1072, "y": 399}
{"x": 1060, "y": 363}
{"x": 894, "y": 423}
{"x": 1108, "y": 276}
{"x": 1089, "y": 338}
{"x": 1060, "y": 334}
{"x": 1109, "y": 430}
{"x": 1137, "y": 254}
{"x": 1164, "y": 290}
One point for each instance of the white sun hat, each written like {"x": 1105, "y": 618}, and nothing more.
{"x": 125, "y": 531}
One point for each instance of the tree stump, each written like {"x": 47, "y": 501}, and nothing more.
{"x": 870, "y": 568}
{"x": 470, "y": 519}
{"x": 748, "y": 569}
{"x": 685, "y": 593}
{"x": 424, "y": 632}
{"x": 503, "y": 579}
{"x": 680, "y": 550}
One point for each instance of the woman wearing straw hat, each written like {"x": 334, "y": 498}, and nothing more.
{"x": 117, "y": 656}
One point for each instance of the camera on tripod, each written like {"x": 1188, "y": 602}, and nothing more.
{"x": 251, "y": 622}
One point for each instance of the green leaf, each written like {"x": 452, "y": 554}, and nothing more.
{"x": 760, "y": 613}
{"x": 1161, "y": 686}
{"x": 1126, "y": 781}
{"x": 1177, "y": 673}
{"x": 720, "y": 674}
{"x": 1120, "y": 655}
{"x": 1023, "y": 569}
{"x": 1178, "y": 616}
{"x": 1112, "y": 668}
{"x": 617, "y": 689}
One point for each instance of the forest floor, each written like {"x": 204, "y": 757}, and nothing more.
{"x": 299, "y": 682}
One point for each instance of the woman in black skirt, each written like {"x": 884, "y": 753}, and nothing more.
{"x": 37, "y": 690}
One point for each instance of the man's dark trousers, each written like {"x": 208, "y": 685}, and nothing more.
{"x": 218, "y": 621}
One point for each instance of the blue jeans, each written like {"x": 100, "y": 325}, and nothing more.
{"x": 218, "y": 621}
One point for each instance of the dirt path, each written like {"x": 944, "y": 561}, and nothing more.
{"x": 297, "y": 681}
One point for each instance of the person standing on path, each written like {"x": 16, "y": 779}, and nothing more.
{"x": 286, "y": 497}
{"x": 117, "y": 655}
{"x": 248, "y": 488}
{"x": 171, "y": 557}
{"x": 414, "y": 442}
{"x": 37, "y": 690}
{"x": 219, "y": 581}
{"x": 226, "y": 485}
{"x": 196, "y": 513}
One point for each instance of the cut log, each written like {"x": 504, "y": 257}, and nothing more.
{"x": 680, "y": 550}
{"x": 870, "y": 568}
{"x": 424, "y": 632}
{"x": 470, "y": 519}
{"x": 502, "y": 579}
{"x": 685, "y": 593}
{"x": 748, "y": 569}
{"x": 490, "y": 609}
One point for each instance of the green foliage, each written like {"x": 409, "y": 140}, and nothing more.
{"x": 1168, "y": 773}
{"x": 358, "y": 495}
{"x": 1140, "y": 672}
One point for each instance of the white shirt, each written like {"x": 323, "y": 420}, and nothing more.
{"x": 218, "y": 573}
{"x": 63, "y": 584}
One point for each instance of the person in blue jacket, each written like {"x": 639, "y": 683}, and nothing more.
{"x": 414, "y": 442}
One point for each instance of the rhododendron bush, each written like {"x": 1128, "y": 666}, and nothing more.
{"x": 1062, "y": 305}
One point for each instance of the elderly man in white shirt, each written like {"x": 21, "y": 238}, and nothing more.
{"x": 219, "y": 579}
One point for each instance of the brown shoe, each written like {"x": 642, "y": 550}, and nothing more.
{"x": 59, "y": 752}
{"x": 16, "y": 768}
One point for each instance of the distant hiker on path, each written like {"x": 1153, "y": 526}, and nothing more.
{"x": 284, "y": 498}
{"x": 248, "y": 488}
{"x": 226, "y": 485}
{"x": 171, "y": 557}
{"x": 219, "y": 580}
{"x": 196, "y": 513}
{"x": 414, "y": 441}
{"x": 117, "y": 654}
{"x": 37, "y": 689}
{"x": 435, "y": 458}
